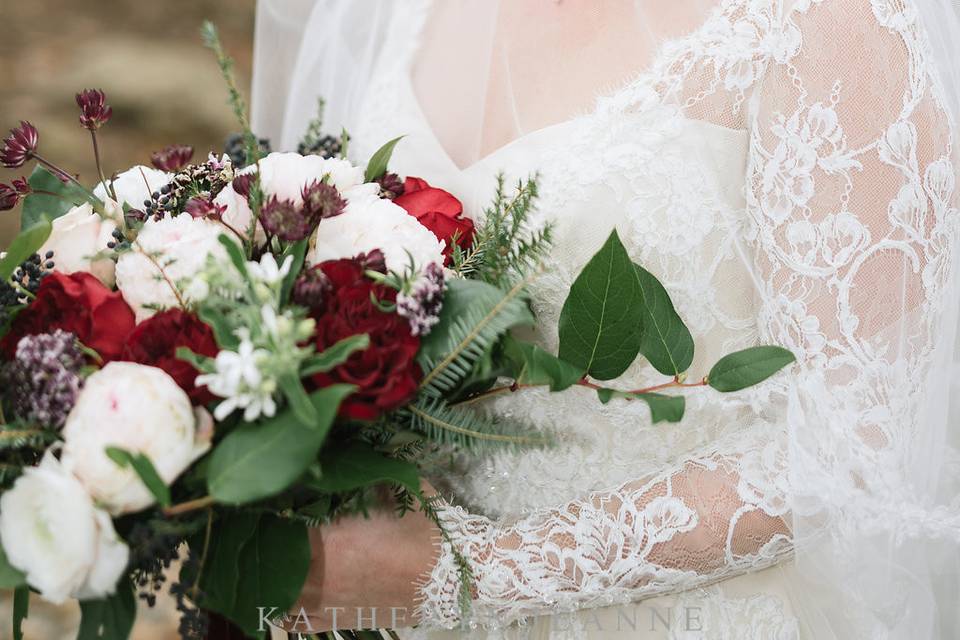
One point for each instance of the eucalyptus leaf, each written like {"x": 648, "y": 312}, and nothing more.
{"x": 299, "y": 401}
{"x": 145, "y": 471}
{"x": 334, "y": 355}
{"x": 535, "y": 366}
{"x": 666, "y": 342}
{"x": 662, "y": 407}
{"x": 110, "y": 618}
{"x": 359, "y": 465}
{"x": 380, "y": 160}
{"x": 601, "y": 320}
{"x": 27, "y": 243}
{"x": 218, "y": 582}
{"x": 42, "y": 206}
{"x": 748, "y": 367}
{"x": 259, "y": 460}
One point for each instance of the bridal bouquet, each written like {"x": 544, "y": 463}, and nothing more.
{"x": 201, "y": 359}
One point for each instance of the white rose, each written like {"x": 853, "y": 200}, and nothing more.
{"x": 77, "y": 236}
{"x": 374, "y": 223}
{"x": 135, "y": 185}
{"x": 284, "y": 175}
{"x": 180, "y": 246}
{"x": 52, "y": 532}
{"x": 137, "y": 408}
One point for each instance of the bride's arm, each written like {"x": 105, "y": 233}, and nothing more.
{"x": 849, "y": 197}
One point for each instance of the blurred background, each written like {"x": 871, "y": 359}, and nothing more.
{"x": 164, "y": 87}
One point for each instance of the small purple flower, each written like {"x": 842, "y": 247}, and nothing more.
{"x": 311, "y": 289}
{"x": 322, "y": 201}
{"x": 204, "y": 208}
{"x": 94, "y": 110}
{"x": 172, "y": 158}
{"x": 285, "y": 220}
{"x": 19, "y": 146}
{"x": 421, "y": 307}
{"x": 242, "y": 183}
{"x": 43, "y": 380}
{"x": 22, "y": 186}
{"x": 9, "y": 197}
{"x": 391, "y": 186}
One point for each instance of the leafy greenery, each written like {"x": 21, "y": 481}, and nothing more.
{"x": 377, "y": 166}
{"x": 662, "y": 407}
{"x": 109, "y": 618}
{"x": 506, "y": 245}
{"x": 469, "y": 430}
{"x": 21, "y": 607}
{"x": 748, "y": 367}
{"x": 27, "y": 243}
{"x": 10, "y": 578}
{"x": 145, "y": 471}
{"x": 600, "y": 323}
{"x": 258, "y": 460}
{"x": 665, "y": 340}
{"x": 534, "y": 366}
{"x": 358, "y": 465}
{"x": 51, "y": 198}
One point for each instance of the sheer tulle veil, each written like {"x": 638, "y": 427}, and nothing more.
{"x": 876, "y": 549}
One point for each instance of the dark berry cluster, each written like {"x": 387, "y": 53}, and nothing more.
{"x": 24, "y": 281}
{"x": 325, "y": 147}
{"x": 151, "y": 554}
{"x": 202, "y": 181}
{"x": 236, "y": 149}
{"x": 194, "y": 621}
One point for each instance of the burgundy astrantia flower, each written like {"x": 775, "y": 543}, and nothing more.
{"x": 285, "y": 220}
{"x": 22, "y": 186}
{"x": 173, "y": 158}
{"x": 8, "y": 197}
{"x": 20, "y": 145}
{"x": 322, "y": 201}
{"x": 204, "y": 208}
{"x": 242, "y": 183}
{"x": 94, "y": 110}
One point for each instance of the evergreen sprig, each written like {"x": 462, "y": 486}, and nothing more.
{"x": 467, "y": 429}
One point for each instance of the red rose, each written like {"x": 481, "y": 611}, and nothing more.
{"x": 79, "y": 303}
{"x": 155, "y": 342}
{"x": 386, "y": 373}
{"x": 438, "y": 211}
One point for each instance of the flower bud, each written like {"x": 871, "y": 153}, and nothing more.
{"x": 94, "y": 110}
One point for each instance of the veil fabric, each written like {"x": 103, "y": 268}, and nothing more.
{"x": 877, "y": 550}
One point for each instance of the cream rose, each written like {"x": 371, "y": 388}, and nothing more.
{"x": 167, "y": 253}
{"x": 77, "y": 237}
{"x": 135, "y": 185}
{"x": 139, "y": 409}
{"x": 370, "y": 223}
{"x": 51, "y": 531}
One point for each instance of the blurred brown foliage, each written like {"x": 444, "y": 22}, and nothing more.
{"x": 164, "y": 87}
{"x": 147, "y": 56}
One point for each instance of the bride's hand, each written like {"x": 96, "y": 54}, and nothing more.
{"x": 367, "y": 567}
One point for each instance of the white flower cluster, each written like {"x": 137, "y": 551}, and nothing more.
{"x": 55, "y": 523}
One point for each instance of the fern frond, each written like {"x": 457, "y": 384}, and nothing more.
{"x": 470, "y": 336}
{"x": 467, "y": 429}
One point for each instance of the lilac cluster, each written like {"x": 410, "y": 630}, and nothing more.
{"x": 421, "y": 307}
{"x": 43, "y": 380}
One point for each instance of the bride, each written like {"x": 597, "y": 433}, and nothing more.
{"x": 787, "y": 168}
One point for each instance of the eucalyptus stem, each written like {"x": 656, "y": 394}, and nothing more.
{"x": 96, "y": 156}
{"x": 678, "y": 381}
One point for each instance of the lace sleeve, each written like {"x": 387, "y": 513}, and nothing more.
{"x": 849, "y": 205}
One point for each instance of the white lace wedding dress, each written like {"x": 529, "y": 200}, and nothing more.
{"x": 786, "y": 170}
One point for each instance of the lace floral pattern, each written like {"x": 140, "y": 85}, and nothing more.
{"x": 783, "y": 194}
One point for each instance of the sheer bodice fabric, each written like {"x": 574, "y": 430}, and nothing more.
{"x": 787, "y": 170}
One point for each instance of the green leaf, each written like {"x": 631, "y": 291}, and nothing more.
{"x": 110, "y": 618}
{"x": 220, "y": 577}
{"x": 38, "y": 207}
{"x": 535, "y": 366}
{"x": 299, "y": 401}
{"x": 746, "y": 368}
{"x": 665, "y": 341}
{"x": 379, "y": 161}
{"x": 271, "y": 568}
{"x": 299, "y": 252}
{"x": 359, "y": 465}
{"x": 662, "y": 407}
{"x": 222, "y": 330}
{"x": 21, "y": 607}
{"x": 601, "y": 320}
{"x": 145, "y": 471}
{"x": 235, "y": 253}
{"x": 259, "y": 460}
{"x": 10, "y": 577}
{"x": 204, "y": 364}
{"x": 27, "y": 243}
{"x": 334, "y": 355}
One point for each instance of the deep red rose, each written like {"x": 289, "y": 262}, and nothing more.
{"x": 386, "y": 373}
{"x": 79, "y": 303}
{"x": 438, "y": 211}
{"x": 155, "y": 341}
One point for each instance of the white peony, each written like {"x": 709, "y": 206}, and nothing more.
{"x": 284, "y": 175}
{"x": 135, "y": 185}
{"x": 180, "y": 246}
{"x": 374, "y": 223}
{"x": 77, "y": 236}
{"x": 137, "y": 408}
{"x": 51, "y": 530}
